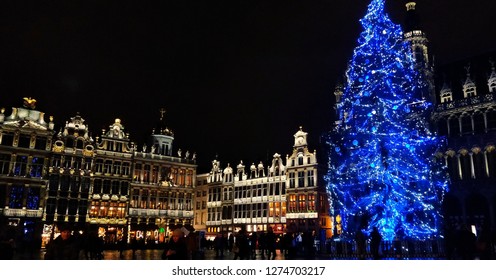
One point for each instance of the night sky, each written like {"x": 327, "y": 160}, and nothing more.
{"x": 237, "y": 78}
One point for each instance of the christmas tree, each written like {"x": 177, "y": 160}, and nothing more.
{"x": 383, "y": 170}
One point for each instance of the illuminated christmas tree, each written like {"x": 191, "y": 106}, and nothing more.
{"x": 383, "y": 171}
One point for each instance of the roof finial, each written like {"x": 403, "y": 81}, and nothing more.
{"x": 162, "y": 113}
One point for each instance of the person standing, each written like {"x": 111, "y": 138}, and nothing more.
{"x": 219, "y": 246}
{"x": 64, "y": 247}
{"x": 241, "y": 247}
{"x": 176, "y": 247}
{"x": 270, "y": 243}
{"x": 375, "y": 243}
{"x": 361, "y": 244}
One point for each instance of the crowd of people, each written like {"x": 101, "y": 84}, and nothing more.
{"x": 261, "y": 244}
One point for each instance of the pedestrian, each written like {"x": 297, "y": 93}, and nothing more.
{"x": 360, "y": 244}
{"x": 253, "y": 245}
{"x": 270, "y": 243}
{"x": 230, "y": 242}
{"x": 64, "y": 247}
{"x": 262, "y": 245}
{"x": 241, "y": 246}
{"x": 219, "y": 246}
{"x": 122, "y": 244}
{"x": 176, "y": 248}
{"x": 375, "y": 243}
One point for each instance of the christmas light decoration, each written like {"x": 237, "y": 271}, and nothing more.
{"x": 383, "y": 171}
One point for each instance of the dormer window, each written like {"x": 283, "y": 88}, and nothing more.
{"x": 300, "y": 160}
{"x": 492, "y": 87}
{"x": 469, "y": 91}
{"x": 446, "y": 96}
{"x": 491, "y": 82}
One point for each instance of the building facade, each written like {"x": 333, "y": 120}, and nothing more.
{"x": 162, "y": 188}
{"x": 25, "y": 143}
{"x": 69, "y": 178}
{"x": 466, "y": 114}
{"x": 104, "y": 185}
{"x": 285, "y": 195}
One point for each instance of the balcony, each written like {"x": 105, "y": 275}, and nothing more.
{"x": 138, "y": 212}
{"x": 23, "y": 213}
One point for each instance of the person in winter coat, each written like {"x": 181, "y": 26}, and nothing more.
{"x": 64, "y": 247}
{"x": 176, "y": 247}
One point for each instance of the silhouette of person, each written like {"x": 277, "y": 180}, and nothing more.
{"x": 176, "y": 247}
{"x": 361, "y": 244}
{"x": 375, "y": 243}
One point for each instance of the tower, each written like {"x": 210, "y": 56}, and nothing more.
{"x": 415, "y": 36}
{"x": 162, "y": 137}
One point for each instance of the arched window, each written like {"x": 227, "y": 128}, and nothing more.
{"x": 466, "y": 124}
{"x": 452, "y": 163}
{"x": 454, "y": 126}
{"x": 491, "y": 119}
{"x": 479, "y": 124}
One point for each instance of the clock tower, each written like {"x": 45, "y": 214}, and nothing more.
{"x": 300, "y": 139}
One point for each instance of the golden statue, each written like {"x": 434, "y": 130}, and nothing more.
{"x": 29, "y": 102}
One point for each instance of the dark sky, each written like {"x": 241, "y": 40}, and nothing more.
{"x": 237, "y": 78}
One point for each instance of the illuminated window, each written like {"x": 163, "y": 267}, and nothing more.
{"x": 302, "y": 202}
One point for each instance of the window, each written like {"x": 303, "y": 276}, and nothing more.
{"x": 153, "y": 199}
{"x": 117, "y": 168}
{"x": 33, "y": 199}
{"x": 7, "y": 139}
{"x": 64, "y": 184}
{"x": 292, "y": 203}
{"x": 162, "y": 200}
{"x": 97, "y": 186}
{"x": 492, "y": 87}
{"x": 75, "y": 181}
{"x": 20, "y": 165}
{"x": 4, "y": 163}
{"x": 134, "y": 199}
{"x": 79, "y": 144}
{"x": 302, "y": 203}
{"x": 62, "y": 206}
{"x": 85, "y": 185}
{"x": 115, "y": 187}
{"x": 107, "y": 168}
{"x": 41, "y": 143}
{"x": 24, "y": 141}
{"x": 78, "y": 163}
{"x": 15, "y": 199}
{"x": 310, "y": 178}
{"x": 125, "y": 169}
{"x": 144, "y": 199}
{"x": 301, "y": 179}
{"x": 72, "y": 207}
{"x": 469, "y": 91}
{"x": 106, "y": 186}
{"x": 291, "y": 179}
{"x": 124, "y": 188}
{"x": 311, "y": 202}
{"x": 99, "y": 166}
